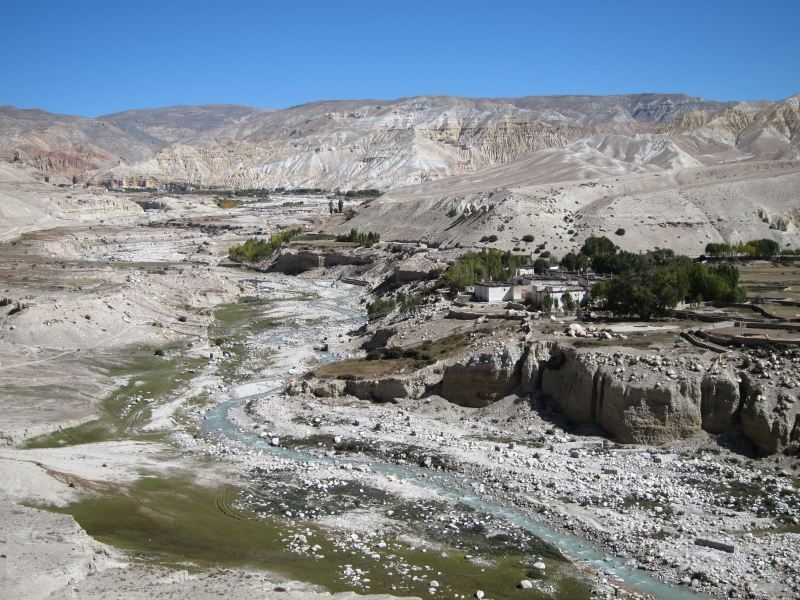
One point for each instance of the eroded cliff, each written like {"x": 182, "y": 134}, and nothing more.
{"x": 638, "y": 397}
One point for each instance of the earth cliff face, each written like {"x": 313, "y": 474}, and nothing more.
{"x": 652, "y": 399}
{"x": 636, "y": 397}
{"x": 771, "y": 414}
{"x": 483, "y": 378}
{"x": 594, "y": 388}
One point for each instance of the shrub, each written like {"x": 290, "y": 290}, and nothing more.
{"x": 568, "y": 302}
{"x": 620, "y": 231}
{"x": 392, "y": 353}
{"x": 548, "y": 304}
{"x": 256, "y": 249}
{"x": 528, "y": 238}
{"x": 380, "y": 307}
{"x": 362, "y": 239}
{"x": 227, "y": 202}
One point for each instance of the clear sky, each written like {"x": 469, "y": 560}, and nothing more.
{"x": 92, "y": 58}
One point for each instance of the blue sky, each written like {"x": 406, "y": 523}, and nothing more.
{"x": 91, "y": 58}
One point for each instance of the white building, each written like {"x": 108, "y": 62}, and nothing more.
{"x": 542, "y": 289}
{"x": 530, "y": 270}
{"x": 495, "y": 291}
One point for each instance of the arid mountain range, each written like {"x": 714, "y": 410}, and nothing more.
{"x": 385, "y": 144}
{"x": 559, "y": 167}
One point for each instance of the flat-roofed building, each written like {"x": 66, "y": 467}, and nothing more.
{"x": 496, "y": 291}
{"x": 540, "y": 290}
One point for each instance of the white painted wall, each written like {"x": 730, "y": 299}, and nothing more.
{"x": 493, "y": 293}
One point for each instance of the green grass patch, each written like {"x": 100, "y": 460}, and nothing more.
{"x": 175, "y": 522}
{"x": 445, "y": 347}
{"x": 394, "y": 360}
{"x": 361, "y": 368}
{"x": 149, "y": 378}
{"x": 315, "y": 237}
{"x": 256, "y": 249}
{"x": 227, "y": 202}
{"x": 233, "y": 324}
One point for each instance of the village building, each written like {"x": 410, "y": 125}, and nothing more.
{"x": 531, "y": 270}
{"x": 541, "y": 290}
{"x": 496, "y": 291}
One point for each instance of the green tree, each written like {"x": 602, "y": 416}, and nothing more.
{"x": 568, "y": 302}
{"x": 548, "y": 305}
{"x": 474, "y": 267}
{"x": 596, "y": 245}
{"x": 657, "y": 281}
{"x": 256, "y": 249}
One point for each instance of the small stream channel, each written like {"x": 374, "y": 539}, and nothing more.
{"x": 447, "y": 486}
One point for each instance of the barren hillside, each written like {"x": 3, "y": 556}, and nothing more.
{"x": 562, "y": 196}
{"x": 677, "y": 170}
{"x": 348, "y": 143}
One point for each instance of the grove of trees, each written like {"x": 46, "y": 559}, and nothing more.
{"x": 752, "y": 248}
{"x": 362, "y": 239}
{"x": 256, "y": 249}
{"x": 488, "y": 264}
{"x": 651, "y": 284}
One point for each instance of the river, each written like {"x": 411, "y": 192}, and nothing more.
{"x": 337, "y": 307}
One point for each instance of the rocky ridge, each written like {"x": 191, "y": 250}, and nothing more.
{"x": 348, "y": 143}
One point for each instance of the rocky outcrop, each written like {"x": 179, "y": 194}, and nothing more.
{"x": 646, "y": 399}
{"x": 387, "y": 389}
{"x": 638, "y": 412}
{"x": 536, "y": 355}
{"x": 633, "y": 410}
{"x": 419, "y": 267}
{"x": 323, "y": 388}
{"x": 293, "y": 261}
{"x": 635, "y": 403}
{"x": 337, "y": 259}
{"x": 381, "y": 389}
{"x": 636, "y": 397}
{"x": 379, "y": 339}
{"x": 483, "y": 378}
{"x": 770, "y": 415}
{"x": 720, "y": 401}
